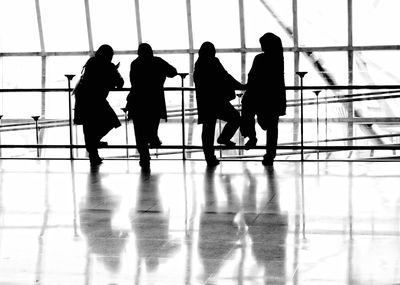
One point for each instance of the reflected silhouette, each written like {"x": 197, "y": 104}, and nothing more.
{"x": 217, "y": 231}
{"x": 92, "y": 109}
{"x": 151, "y": 225}
{"x": 265, "y": 95}
{"x": 146, "y": 99}
{"x": 215, "y": 87}
{"x": 269, "y": 233}
{"x": 96, "y": 213}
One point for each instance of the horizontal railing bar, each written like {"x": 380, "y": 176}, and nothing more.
{"x": 315, "y": 147}
{"x": 311, "y": 87}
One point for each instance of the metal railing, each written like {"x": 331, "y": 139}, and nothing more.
{"x": 302, "y": 147}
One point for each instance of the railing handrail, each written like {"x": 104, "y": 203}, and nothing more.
{"x": 305, "y": 87}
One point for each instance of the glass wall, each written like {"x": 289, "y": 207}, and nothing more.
{"x": 337, "y": 42}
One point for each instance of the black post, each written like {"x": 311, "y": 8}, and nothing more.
{"x": 301, "y": 74}
{"x": 36, "y": 118}
{"x": 126, "y": 130}
{"x": 183, "y": 75}
{"x": 69, "y": 77}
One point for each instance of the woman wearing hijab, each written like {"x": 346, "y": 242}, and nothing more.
{"x": 215, "y": 87}
{"x": 265, "y": 95}
{"x": 92, "y": 109}
{"x": 146, "y": 100}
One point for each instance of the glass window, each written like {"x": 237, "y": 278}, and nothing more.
{"x": 20, "y": 72}
{"x": 114, "y": 23}
{"x": 164, "y": 24}
{"x": 58, "y": 66}
{"x": 324, "y": 66}
{"x": 376, "y": 67}
{"x": 376, "y": 22}
{"x": 261, "y": 17}
{"x": 322, "y": 23}
{"x": 64, "y": 25}
{"x": 18, "y": 27}
{"x": 216, "y": 22}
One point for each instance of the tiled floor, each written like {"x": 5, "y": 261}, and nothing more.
{"x": 241, "y": 223}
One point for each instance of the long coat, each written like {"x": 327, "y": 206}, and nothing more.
{"x": 146, "y": 97}
{"x": 214, "y": 87}
{"x": 265, "y": 89}
{"x": 91, "y": 105}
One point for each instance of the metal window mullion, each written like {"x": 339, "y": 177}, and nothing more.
{"x": 350, "y": 56}
{"x": 138, "y": 22}
{"x": 191, "y": 68}
{"x": 242, "y": 40}
{"x": 43, "y": 58}
{"x": 190, "y": 38}
{"x": 296, "y": 64}
{"x": 89, "y": 27}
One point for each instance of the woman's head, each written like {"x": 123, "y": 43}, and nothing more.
{"x": 105, "y": 52}
{"x": 207, "y": 49}
{"x": 271, "y": 42}
{"x": 145, "y": 50}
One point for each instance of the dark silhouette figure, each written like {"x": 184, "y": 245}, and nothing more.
{"x": 215, "y": 87}
{"x": 265, "y": 95}
{"x": 92, "y": 109}
{"x": 146, "y": 100}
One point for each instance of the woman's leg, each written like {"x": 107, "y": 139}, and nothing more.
{"x": 229, "y": 114}
{"x": 207, "y": 138}
{"x": 141, "y": 135}
{"x": 91, "y": 142}
{"x": 247, "y": 123}
{"x": 272, "y": 140}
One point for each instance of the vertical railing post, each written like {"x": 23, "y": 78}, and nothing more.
{"x": 183, "y": 75}
{"x": 36, "y": 118}
{"x": 301, "y": 74}
{"x": 316, "y": 94}
{"x": 69, "y": 77}
{"x": 125, "y": 110}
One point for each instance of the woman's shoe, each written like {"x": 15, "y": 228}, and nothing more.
{"x": 156, "y": 143}
{"x": 268, "y": 161}
{"x": 252, "y": 142}
{"x": 212, "y": 162}
{"x": 145, "y": 165}
{"x": 227, "y": 143}
{"x": 96, "y": 161}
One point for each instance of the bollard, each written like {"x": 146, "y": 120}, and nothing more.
{"x": 36, "y": 118}
{"x": 301, "y": 74}
{"x": 69, "y": 77}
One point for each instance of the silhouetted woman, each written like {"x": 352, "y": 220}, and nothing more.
{"x": 215, "y": 87}
{"x": 92, "y": 109}
{"x": 265, "y": 95}
{"x": 146, "y": 100}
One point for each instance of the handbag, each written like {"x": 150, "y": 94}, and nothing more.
{"x": 78, "y": 92}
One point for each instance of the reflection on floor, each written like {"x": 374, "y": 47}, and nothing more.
{"x": 240, "y": 223}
